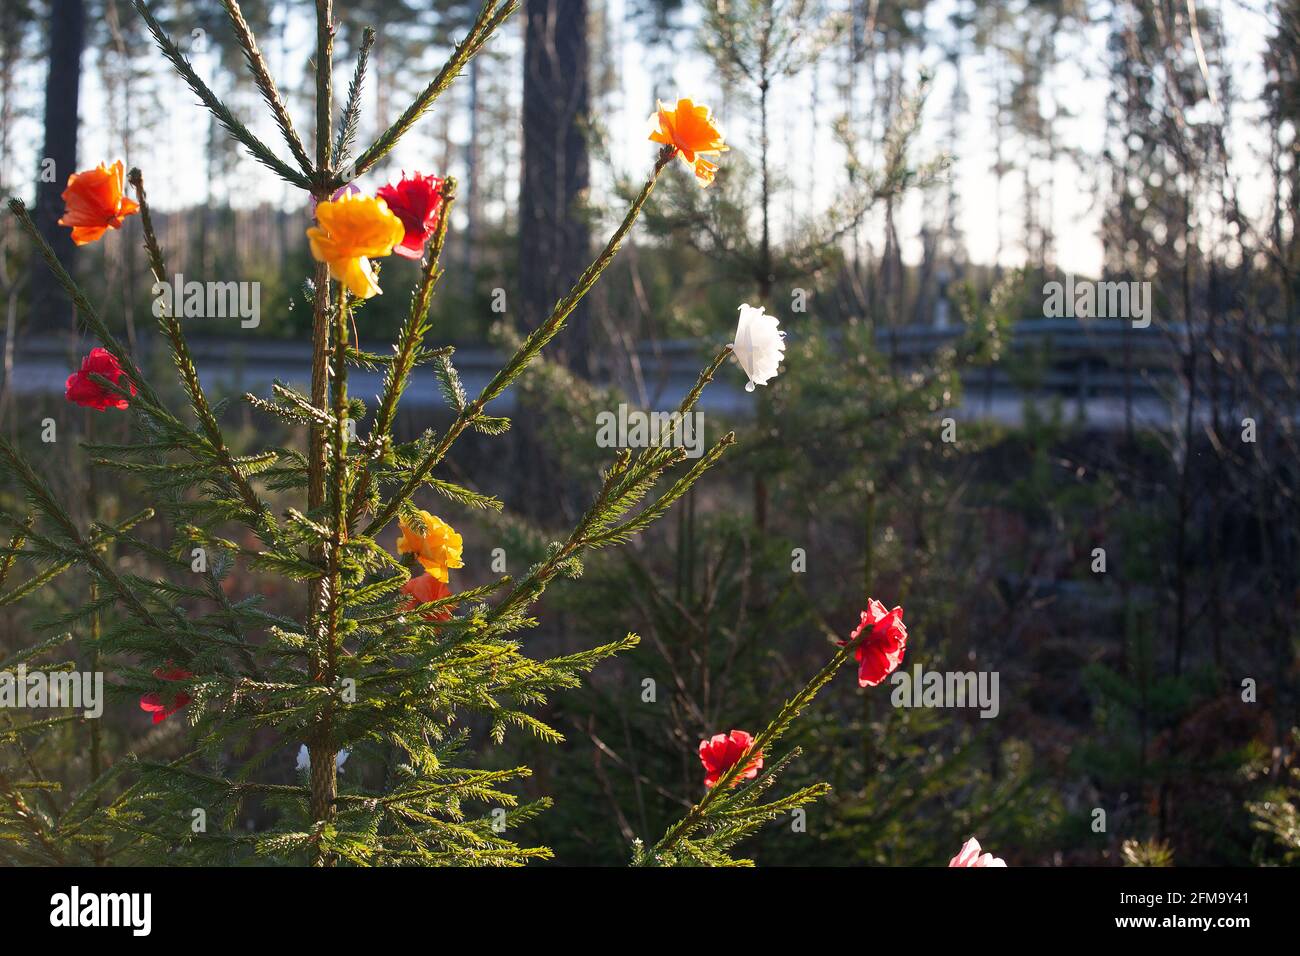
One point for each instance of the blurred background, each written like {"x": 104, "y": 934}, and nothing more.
{"x": 1101, "y": 511}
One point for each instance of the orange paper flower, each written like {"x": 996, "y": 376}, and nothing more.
{"x": 353, "y": 229}
{"x": 691, "y": 130}
{"x": 95, "y": 202}
{"x": 424, "y": 589}
{"x": 437, "y": 548}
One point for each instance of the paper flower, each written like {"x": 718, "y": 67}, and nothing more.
{"x": 437, "y": 548}
{"x": 759, "y": 346}
{"x": 417, "y": 201}
{"x": 692, "y": 131}
{"x": 304, "y": 759}
{"x": 969, "y": 855}
{"x": 348, "y": 189}
{"x": 155, "y": 704}
{"x": 352, "y": 230}
{"x": 95, "y": 202}
{"x": 704, "y": 171}
{"x": 721, "y": 752}
{"x": 81, "y": 389}
{"x": 424, "y": 589}
{"x": 882, "y": 650}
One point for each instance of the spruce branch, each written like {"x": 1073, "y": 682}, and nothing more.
{"x": 654, "y": 458}
{"x": 539, "y": 337}
{"x": 147, "y": 401}
{"x": 15, "y": 548}
{"x": 259, "y": 150}
{"x": 34, "y": 651}
{"x": 43, "y": 499}
{"x": 347, "y": 135}
{"x": 87, "y": 311}
{"x": 467, "y": 596}
{"x": 620, "y": 533}
{"x": 527, "y": 351}
{"x": 489, "y": 20}
{"x": 20, "y": 744}
{"x": 265, "y": 83}
{"x": 409, "y": 341}
{"x": 624, "y": 485}
{"x": 185, "y": 366}
{"x": 37, "y": 581}
{"x": 449, "y": 381}
{"x": 31, "y": 821}
{"x": 779, "y": 725}
{"x": 618, "y": 492}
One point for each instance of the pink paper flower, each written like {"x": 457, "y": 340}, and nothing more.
{"x": 351, "y": 189}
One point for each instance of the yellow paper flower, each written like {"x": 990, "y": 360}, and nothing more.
{"x": 705, "y": 171}
{"x": 437, "y": 549}
{"x": 351, "y": 230}
{"x": 692, "y": 131}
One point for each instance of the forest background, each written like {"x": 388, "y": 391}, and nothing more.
{"x": 899, "y": 174}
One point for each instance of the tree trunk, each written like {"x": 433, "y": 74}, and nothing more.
{"x": 553, "y": 236}
{"x": 50, "y": 307}
{"x": 474, "y": 196}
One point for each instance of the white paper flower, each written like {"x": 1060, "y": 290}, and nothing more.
{"x": 970, "y": 856}
{"x": 759, "y": 345}
{"x": 304, "y": 759}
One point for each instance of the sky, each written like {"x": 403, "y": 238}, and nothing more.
{"x": 804, "y": 146}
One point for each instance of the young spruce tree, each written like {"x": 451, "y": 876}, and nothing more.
{"x": 364, "y": 673}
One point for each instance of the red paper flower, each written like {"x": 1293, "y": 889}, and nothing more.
{"x": 424, "y": 589}
{"x": 83, "y": 390}
{"x": 417, "y": 201}
{"x": 721, "y": 752}
{"x": 881, "y": 651}
{"x": 154, "y": 703}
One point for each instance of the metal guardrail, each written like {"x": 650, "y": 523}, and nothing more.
{"x": 1096, "y": 369}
